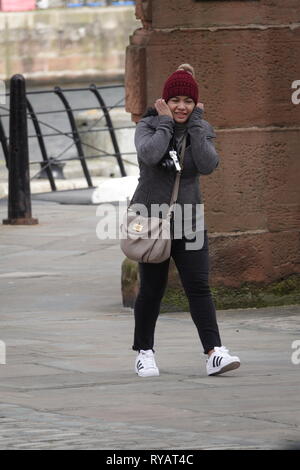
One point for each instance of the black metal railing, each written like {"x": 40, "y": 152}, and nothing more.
{"x": 74, "y": 134}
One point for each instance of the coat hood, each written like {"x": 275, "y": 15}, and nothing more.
{"x": 150, "y": 112}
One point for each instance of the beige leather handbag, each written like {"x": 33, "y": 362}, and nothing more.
{"x": 148, "y": 239}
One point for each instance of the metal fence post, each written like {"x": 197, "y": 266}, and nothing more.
{"x": 19, "y": 201}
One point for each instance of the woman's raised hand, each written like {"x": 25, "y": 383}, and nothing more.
{"x": 162, "y": 108}
{"x": 200, "y": 105}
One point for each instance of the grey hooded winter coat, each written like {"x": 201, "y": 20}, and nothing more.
{"x": 153, "y": 138}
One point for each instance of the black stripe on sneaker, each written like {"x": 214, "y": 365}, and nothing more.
{"x": 139, "y": 365}
{"x": 217, "y": 361}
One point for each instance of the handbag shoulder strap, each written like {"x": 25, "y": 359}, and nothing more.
{"x": 177, "y": 180}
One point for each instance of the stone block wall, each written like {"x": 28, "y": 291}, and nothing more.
{"x": 66, "y": 44}
{"x": 246, "y": 57}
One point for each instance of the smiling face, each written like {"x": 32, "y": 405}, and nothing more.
{"x": 181, "y": 108}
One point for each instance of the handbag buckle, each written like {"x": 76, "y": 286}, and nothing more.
{"x": 138, "y": 227}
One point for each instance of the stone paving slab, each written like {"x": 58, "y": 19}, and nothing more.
{"x": 69, "y": 382}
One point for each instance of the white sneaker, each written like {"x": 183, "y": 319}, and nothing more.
{"x": 145, "y": 365}
{"x": 220, "y": 361}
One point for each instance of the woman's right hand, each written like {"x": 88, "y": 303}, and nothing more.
{"x": 200, "y": 105}
{"x": 162, "y": 108}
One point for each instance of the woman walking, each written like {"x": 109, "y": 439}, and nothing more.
{"x": 176, "y": 123}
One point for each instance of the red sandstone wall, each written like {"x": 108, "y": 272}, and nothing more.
{"x": 187, "y": 13}
{"x": 246, "y": 55}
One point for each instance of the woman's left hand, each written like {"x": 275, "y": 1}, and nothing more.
{"x": 200, "y": 105}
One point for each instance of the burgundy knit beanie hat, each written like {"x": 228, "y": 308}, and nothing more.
{"x": 181, "y": 83}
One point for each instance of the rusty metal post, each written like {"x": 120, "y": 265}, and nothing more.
{"x": 19, "y": 200}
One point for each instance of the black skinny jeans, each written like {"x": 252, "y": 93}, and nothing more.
{"x": 193, "y": 268}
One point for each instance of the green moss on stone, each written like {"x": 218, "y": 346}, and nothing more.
{"x": 129, "y": 275}
{"x": 248, "y": 295}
